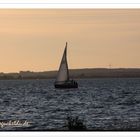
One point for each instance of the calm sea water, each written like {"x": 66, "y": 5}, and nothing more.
{"x": 102, "y": 104}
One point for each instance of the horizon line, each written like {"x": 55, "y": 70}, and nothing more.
{"x": 71, "y": 69}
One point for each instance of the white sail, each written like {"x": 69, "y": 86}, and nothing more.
{"x": 63, "y": 73}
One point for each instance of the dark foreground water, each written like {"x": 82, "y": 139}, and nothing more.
{"x": 102, "y": 104}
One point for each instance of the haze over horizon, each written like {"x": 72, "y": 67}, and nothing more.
{"x": 35, "y": 39}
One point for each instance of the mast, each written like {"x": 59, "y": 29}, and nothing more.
{"x": 67, "y": 62}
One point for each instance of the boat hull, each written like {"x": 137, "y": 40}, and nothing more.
{"x": 66, "y": 85}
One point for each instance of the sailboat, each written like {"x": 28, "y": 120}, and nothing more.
{"x": 63, "y": 79}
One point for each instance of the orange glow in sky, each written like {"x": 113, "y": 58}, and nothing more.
{"x": 34, "y": 39}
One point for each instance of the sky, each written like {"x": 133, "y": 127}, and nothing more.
{"x": 34, "y": 39}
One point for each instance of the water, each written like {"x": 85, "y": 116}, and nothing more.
{"x": 102, "y": 104}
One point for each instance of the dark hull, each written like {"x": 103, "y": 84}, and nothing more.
{"x": 66, "y": 85}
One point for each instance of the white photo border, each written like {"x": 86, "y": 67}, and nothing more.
{"x": 65, "y": 4}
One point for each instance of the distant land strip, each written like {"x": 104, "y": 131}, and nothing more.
{"x": 76, "y": 74}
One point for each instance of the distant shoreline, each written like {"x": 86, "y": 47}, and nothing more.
{"x": 76, "y": 74}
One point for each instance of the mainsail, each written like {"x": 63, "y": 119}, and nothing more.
{"x": 63, "y": 73}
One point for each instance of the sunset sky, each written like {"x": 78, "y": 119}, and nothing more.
{"x": 35, "y": 39}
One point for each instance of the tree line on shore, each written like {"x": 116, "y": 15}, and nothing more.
{"x": 76, "y": 73}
